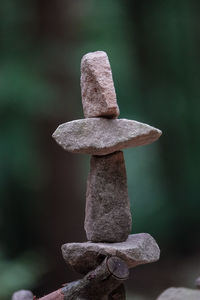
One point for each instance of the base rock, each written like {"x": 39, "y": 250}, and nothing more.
{"x": 138, "y": 249}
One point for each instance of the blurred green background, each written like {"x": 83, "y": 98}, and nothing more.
{"x": 154, "y": 51}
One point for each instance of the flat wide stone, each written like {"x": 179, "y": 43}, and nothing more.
{"x": 179, "y": 294}
{"x": 136, "y": 250}
{"x": 107, "y": 214}
{"x": 97, "y": 88}
{"x": 101, "y": 136}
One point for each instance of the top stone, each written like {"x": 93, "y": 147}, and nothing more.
{"x": 97, "y": 88}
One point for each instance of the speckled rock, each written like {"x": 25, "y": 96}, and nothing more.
{"x": 97, "y": 88}
{"x": 107, "y": 214}
{"x": 136, "y": 250}
{"x": 101, "y": 136}
{"x": 22, "y": 295}
{"x": 179, "y": 294}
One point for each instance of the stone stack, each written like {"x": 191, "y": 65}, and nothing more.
{"x": 108, "y": 220}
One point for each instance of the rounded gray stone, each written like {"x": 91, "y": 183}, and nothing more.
{"x": 22, "y": 295}
{"x": 107, "y": 213}
{"x": 138, "y": 249}
{"x": 101, "y": 136}
{"x": 179, "y": 294}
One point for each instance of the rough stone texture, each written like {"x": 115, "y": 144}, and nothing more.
{"x": 100, "y": 136}
{"x": 136, "y": 250}
{"x": 179, "y": 294}
{"x": 107, "y": 214}
{"x": 97, "y": 88}
{"x": 22, "y": 295}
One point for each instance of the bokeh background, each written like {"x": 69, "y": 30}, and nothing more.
{"x": 154, "y": 51}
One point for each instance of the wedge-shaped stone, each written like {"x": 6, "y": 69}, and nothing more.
{"x": 97, "y": 88}
{"x": 179, "y": 294}
{"x": 107, "y": 214}
{"x": 136, "y": 250}
{"x": 101, "y": 136}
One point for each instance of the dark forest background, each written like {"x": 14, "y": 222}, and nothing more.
{"x": 154, "y": 51}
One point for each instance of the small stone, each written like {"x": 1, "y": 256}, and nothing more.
{"x": 197, "y": 283}
{"x": 107, "y": 214}
{"x": 97, "y": 88}
{"x": 136, "y": 250}
{"x": 101, "y": 136}
{"x": 179, "y": 294}
{"x": 22, "y": 295}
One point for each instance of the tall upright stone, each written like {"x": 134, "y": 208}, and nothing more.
{"x": 107, "y": 214}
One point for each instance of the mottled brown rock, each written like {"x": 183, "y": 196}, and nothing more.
{"x": 22, "y": 295}
{"x": 107, "y": 214}
{"x": 136, "y": 250}
{"x": 179, "y": 294}
{"x": 100, "y": 136}
{"x": 97, "y": 88}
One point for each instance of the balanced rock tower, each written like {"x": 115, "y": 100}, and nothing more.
{"x": 109, "y": 253}
{"x": 108, "y": 219}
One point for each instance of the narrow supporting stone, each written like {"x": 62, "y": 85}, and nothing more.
{"x": 100, "y": 136}
{"x": 97, "y": 88}
{"x": 22, "y": 295}
{"x": 179, "y": 294}
{"x": 107, "y": 215}
{"x": 138, "y": 249}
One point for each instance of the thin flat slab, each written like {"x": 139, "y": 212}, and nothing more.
{"x": 107, "y": 213}
{"x": 179, "y": 294}
{"x": 97, "y": 87}
{"x": 101, "y": 136}
{"x": 136, "y": 250}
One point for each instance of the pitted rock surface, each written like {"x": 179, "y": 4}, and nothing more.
{"x": 101, "y": 136}
{"x": 138, "y": 249}
{"x": 179, "y": 294}
{"x": 97, "y": 87}
{"x": 107, "y": 214}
